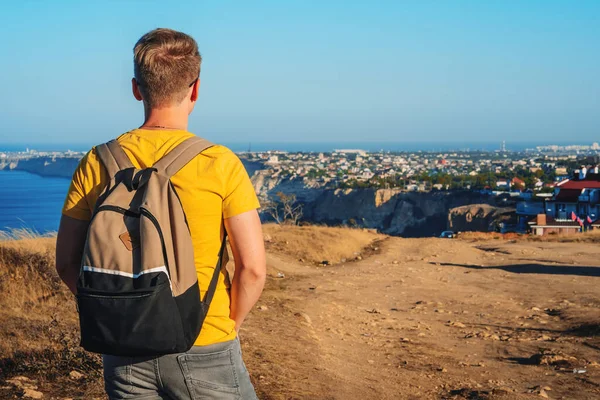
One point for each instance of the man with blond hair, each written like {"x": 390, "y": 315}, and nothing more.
{"x": 217, "y": 198}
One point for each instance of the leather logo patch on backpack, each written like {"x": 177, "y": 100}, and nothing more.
{"x": 130, "y": 242}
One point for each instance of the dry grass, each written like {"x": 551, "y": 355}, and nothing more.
{"x": 318, "y": 243}
{"x": 27, "y": 274}
{"x": 585, "y": 237}
{"x": 485, "y": 236}
{"x": 38, "y": 323}
{"x": 22, "y": 234}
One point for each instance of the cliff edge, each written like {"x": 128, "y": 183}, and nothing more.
{"x": 62, "y": 167}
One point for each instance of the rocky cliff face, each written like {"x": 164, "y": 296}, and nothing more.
{"x": 480, "y": 218}
{"x": 44, "y": 166}
{"x": 389, "y": 210}
{"x": 267, "y": 187}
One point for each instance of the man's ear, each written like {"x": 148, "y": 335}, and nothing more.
{"x": 136, "y": 90}
{"x": 195, "y": 90}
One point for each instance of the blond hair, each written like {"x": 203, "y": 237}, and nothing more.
{"x": 166, "y": 63}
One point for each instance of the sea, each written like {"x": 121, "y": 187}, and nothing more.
{"x": 31, "y": 201}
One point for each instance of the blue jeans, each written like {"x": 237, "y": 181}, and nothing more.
{"x": 211, "y": 372}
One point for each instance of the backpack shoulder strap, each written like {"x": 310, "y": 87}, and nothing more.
{"x": 212, "y": 287}
{"x": 182, "y": 154}
{"x": 113, "y": 157}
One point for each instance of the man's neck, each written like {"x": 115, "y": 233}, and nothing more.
{"x": 165, "y": 118}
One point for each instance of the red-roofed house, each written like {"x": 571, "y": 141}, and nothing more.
{"x": 517, "y": 183}
{"x": 591, "y": 181}
{"x": 576, "y": 196}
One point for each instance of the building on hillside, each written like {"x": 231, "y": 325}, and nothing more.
{"x": 578, "y": 196}
{"x": 517, "y": 183}
{"x": 272, "y": 160}
{"x": 503, "y": 184}
{"x": 351, "y": 151}
{"x": 545, "y": 225}
{"x": 539, "y": 184}
{"x": 560, "y": 172}
{"x": 528, "y": 206}
{"x": 575, "y": 205}
{"x": 366, "y": 174}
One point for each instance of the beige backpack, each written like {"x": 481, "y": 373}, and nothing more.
{"x": 138, "y": 292}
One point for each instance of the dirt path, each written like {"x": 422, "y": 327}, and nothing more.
{"x": 432, "y": 319}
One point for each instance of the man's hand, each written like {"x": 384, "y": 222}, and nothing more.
{"x": 247, "y": 244}
{"x": 69, "y": 249}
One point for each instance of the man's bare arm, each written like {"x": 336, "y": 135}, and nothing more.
{"x": 69, "y": 249}
{"x": 247, "y": 244}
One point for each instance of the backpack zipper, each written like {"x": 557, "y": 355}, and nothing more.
{"x": 102, "y": 296}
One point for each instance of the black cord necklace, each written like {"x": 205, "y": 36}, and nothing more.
{"x": 156, "y": 127}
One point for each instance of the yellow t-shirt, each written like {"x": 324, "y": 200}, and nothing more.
{"x": 213, "y": 186}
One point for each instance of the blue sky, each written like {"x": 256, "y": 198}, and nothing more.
{"x": 311, "y": 71}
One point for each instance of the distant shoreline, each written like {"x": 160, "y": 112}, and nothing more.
{"x": 240, "y": 147}
{"x": 64, "y": 167}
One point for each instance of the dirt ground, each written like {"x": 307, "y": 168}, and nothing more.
{"x": 432, "y": 319}
{"x": 408, "y": 319}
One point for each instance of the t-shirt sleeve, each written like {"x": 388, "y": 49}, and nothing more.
{"x": 239, "y": 195}
{"x": 85, "y": 188}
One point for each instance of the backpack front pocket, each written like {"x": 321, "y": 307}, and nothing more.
{"x": 133, "y": 323}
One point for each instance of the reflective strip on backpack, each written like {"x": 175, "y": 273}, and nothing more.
{"x": 129, "y": 274}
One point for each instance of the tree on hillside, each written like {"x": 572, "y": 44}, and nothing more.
{"x": 285, "y": 210}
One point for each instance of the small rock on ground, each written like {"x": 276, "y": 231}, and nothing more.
{"x": 32, "y": 394}
{"x": 75, "y": 375}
